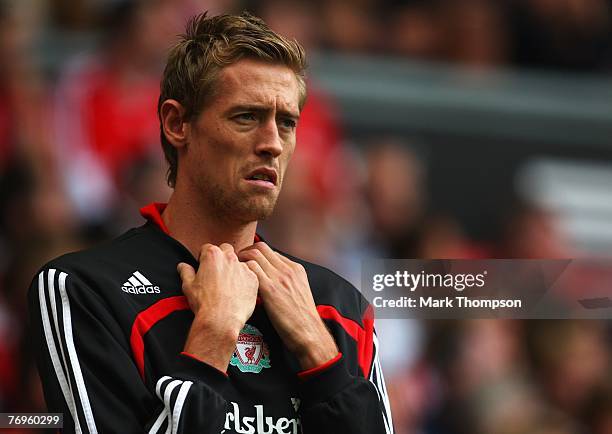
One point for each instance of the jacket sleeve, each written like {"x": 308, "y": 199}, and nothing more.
{"x": 88, "y": 373}
{"x": 335, "y": 400}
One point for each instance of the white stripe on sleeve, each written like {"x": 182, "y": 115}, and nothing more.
{"x": 51, "y": 283}
{"x": 164, "y": 388}
{"x": 178, "y": 405}
{"x": 167, "y": 401}
{"x": 159, "y": 421}
{"x": 57, "y": 365}
{"x": 378, "y": 379}
{"x": 74, "y": 360}
{"x": 159, "y": 385}
{"x": 165, "y": 412}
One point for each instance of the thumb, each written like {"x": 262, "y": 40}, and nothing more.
{"x": 186, "y": 271}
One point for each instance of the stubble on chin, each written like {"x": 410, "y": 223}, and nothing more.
{"x": 238, "y": 207}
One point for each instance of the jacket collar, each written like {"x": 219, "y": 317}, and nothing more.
{"x": 153, "y": 211}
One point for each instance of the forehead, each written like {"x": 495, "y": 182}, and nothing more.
{"x": 258, "y": 82}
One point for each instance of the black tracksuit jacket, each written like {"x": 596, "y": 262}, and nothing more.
{"x": 110, "y": 324}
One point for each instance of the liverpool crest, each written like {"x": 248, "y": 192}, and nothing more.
{"x": 252, "y": 353}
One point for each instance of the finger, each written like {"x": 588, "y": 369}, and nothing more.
{"x": 284, "y": 259}
{"x": 205, "y": 250}
{"x": 227, "y": 248}
{"x": 267, "y": 252}
{"x": 249, "y": 270}
{"x": 259, "y": 272}
{"x": 186, "y": 272}
{"x": 257, "y": 256}
{"x": 291, "y": 264}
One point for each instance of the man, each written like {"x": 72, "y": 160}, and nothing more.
{"x": 242, "y": 339}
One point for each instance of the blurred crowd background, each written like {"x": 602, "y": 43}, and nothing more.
{"x": 433, "y": 129}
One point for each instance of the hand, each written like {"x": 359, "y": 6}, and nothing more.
{"x": 287, "y": 298}
{"x": 222, "y": 296}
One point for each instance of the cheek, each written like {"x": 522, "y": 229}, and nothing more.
{"x": 288, "y": 149}
{"x": 285, "y": 159}
{"x": 220, "y": 150}
{"x": 229, "y": 144}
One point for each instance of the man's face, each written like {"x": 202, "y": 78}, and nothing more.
{"x": 240, "y": 144}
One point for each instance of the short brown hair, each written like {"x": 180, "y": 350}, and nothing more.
{"x": 209, "y": 44}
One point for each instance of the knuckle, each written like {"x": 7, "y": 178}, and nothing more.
{"x": 284, "y": 280}
{"x": 273, "y": 290}
{"x": 209, "y": 250}
{"x": 254, "y": 253}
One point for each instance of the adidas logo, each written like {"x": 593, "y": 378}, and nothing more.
{"x": 138, "y": 284}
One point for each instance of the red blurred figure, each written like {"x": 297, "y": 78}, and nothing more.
{"x": 104, "y": 116}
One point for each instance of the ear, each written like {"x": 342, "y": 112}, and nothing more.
{"x": 175, "y": 128}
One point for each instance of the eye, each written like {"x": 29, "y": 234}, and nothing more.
{"x": 245, "y": 117}
{"x": 288, "y": 123}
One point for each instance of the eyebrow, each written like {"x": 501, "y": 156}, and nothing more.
{"x": 262, "y": 108}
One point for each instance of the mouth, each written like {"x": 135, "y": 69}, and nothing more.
{"x": 263, "y": 177}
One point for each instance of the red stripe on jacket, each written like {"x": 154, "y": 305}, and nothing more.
{"x": 147, "y": 319}
{"x": 160, "y": 310}
{"x": 362, "y": 335}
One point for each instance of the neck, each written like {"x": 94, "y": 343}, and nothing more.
{"x": 193, "y": 225}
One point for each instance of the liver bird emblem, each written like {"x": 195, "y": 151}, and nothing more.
{"x": 250, "y": 353}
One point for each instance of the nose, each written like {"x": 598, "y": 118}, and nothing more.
{"x": 269, "y": 141}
